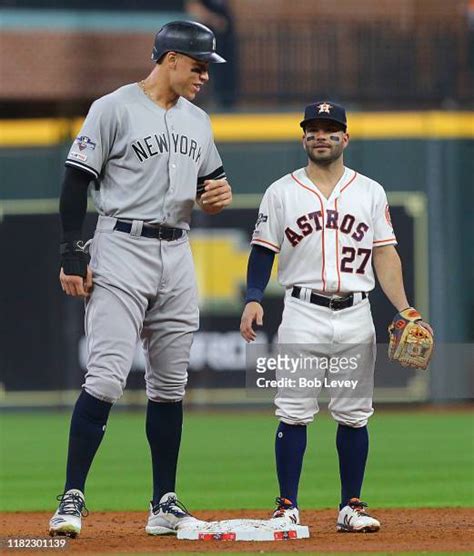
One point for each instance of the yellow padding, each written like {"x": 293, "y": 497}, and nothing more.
{"x": 266, "y": 127}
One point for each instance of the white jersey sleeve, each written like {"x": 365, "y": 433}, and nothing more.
{"x": 91, "y": 147}
{"x": 383, "y": 229}
{"x": 211, "y": 167}
{"x": 268, "y": 230}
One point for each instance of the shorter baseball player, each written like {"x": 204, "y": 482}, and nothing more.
{"x": 331, "y": 227}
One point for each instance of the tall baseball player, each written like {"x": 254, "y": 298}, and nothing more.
{"x": 149, "y": 154}
{"x": 331, "y": 227}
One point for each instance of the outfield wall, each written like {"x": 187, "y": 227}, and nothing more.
{"x": 425, "y": 161}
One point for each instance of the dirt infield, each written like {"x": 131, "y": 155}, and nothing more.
{"x": 403, "y": 530}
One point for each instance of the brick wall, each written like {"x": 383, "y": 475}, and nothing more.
{"x": 288, "y": 49}
{"x": 39, "y": 65}
{"x": 399, "y": 12}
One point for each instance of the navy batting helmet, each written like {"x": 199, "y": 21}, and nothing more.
{"x": 186, "y": 37}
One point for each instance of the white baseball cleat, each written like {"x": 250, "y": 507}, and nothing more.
{"x": 66, "y": 521}
{"x": 354, "y": 519}
{"x": 168, "y": 516}
{"x": 286, "y": 511}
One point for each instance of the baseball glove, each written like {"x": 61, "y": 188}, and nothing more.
{"x": 410, "y": 340}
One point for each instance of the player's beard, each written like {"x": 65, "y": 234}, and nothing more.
{"x": 325, "y": 158}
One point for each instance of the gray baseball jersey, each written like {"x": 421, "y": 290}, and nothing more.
{"x": 148, "y": 163}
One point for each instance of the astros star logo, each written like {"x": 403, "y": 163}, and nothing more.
{"x": 324, "y": 107}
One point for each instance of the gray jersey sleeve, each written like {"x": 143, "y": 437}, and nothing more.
{"x": 91, "y": 147}
{"x": 211, "y": 167}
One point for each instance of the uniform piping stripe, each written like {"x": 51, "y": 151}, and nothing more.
{"x": 201, "y": 186}
{"x": 385, "y": 240}
{"x": 82, "y": 167}
{"x": 337, "y": 247}
{"x": 349, "y": 182}
{"x": 200, "y": 182}
{"x": 337, "y": 234}
{"x": 323, "y": 269}
{"x": 266, "y": 244}
{"x": 216, "y": 174}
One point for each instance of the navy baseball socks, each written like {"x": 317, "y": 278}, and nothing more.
{"x": 290, "y": 446}
{"x": 87, "y": 429}
{"x": 164, "y": 423}
{"x": 353, "y": 448}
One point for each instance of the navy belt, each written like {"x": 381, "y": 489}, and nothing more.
{"x": 335, "y": 304}
{"x": 148, "y": 230}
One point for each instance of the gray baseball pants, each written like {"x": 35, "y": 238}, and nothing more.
{"x": 144, "y": 289}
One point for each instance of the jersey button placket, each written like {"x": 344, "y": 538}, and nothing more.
{"x": 330, "y": 248}
{"x": 172, "y": 161}
{"x": 171, "y": 166}
{"x": 172, "y": 175}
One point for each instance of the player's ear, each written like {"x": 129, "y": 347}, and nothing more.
{"x": 172, "y": 59}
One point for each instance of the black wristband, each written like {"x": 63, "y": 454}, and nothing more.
{"x": 74, "y": 258}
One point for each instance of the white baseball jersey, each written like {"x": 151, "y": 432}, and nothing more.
{"x": 325, "y": 244}
{"x": 148, "y": 163}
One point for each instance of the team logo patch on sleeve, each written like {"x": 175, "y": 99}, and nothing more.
{"x": 261, "y": 219}
{"x": 387, "y": 216}
{"x": 78, "y": 156}
{"x": 85, "y": 142}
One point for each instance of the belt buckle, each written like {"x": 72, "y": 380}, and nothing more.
{"x": 160, "y": 232}
{"x": 334, "y": 304}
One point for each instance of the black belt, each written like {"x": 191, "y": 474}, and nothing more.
{"x": 157, "y": 232}
{"x": 335, "y": 304}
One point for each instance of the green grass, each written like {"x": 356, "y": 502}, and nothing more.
{"x": 416, "y": 460}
